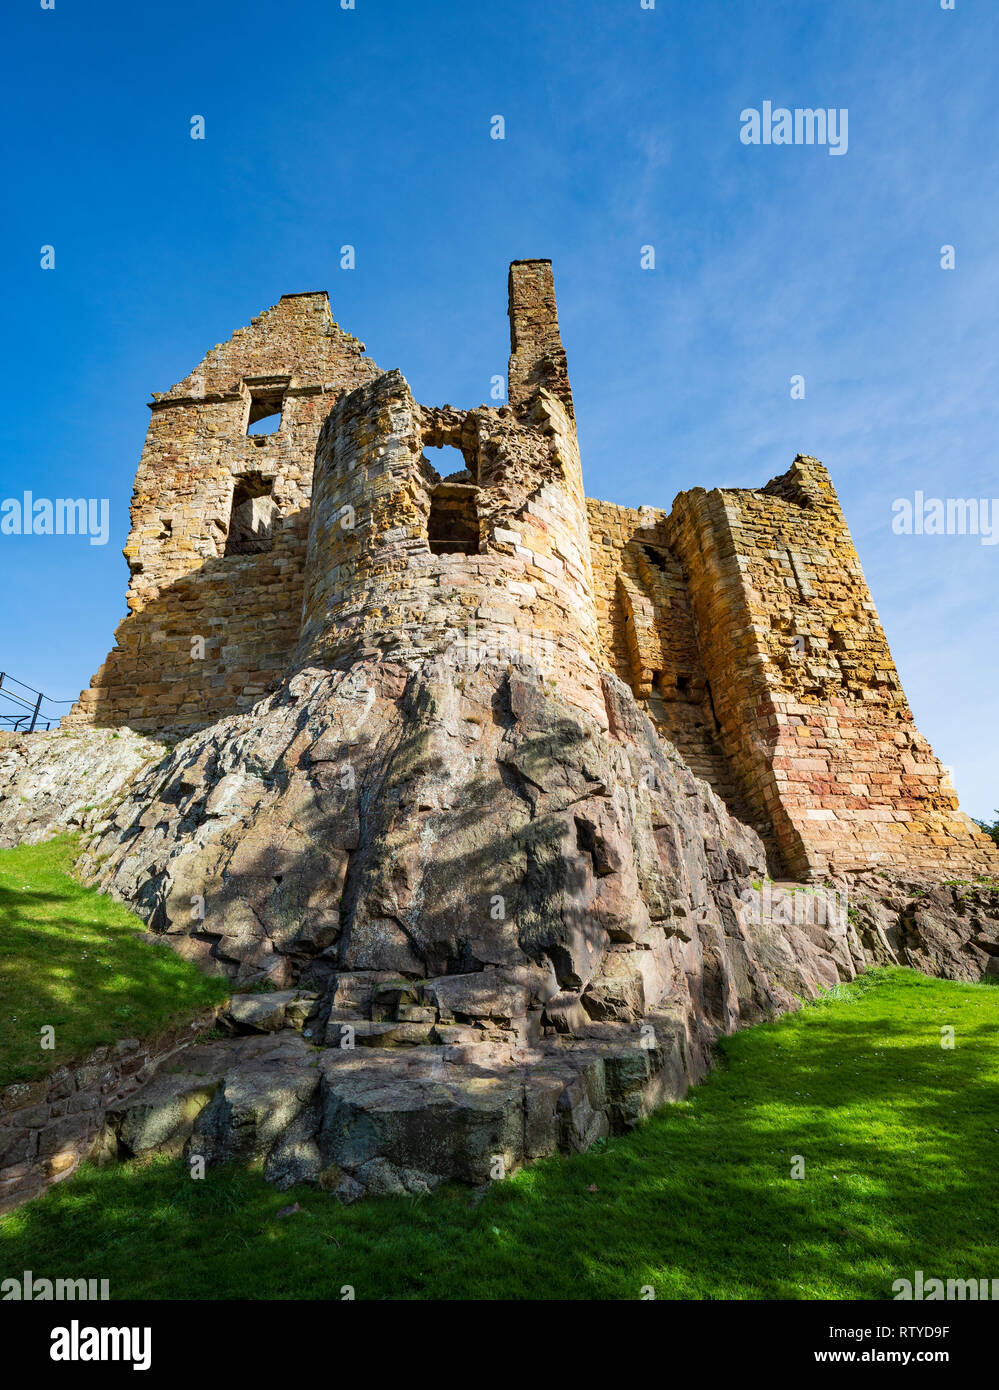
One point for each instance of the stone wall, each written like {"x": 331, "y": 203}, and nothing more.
{"x": 649, "y": 640}
{"x": 48, "y": 1127}
{"x": 219, "y": 524}
{"x": 537, "y": 357}
{"x": 810, "y": 705}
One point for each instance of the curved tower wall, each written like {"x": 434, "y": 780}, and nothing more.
{"x": 494, "y": 561}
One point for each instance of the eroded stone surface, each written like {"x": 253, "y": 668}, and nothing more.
{"x": 949, "y": 929}
{"x": 368, "y": 1120}
{"x": 502, "y": 930}
{"x": 58, "y": 779}
{"x": 48, "y": 1126}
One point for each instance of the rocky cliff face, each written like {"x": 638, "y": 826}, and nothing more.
{"x": 455, "y": 826}
{"x": 485, "y": 929}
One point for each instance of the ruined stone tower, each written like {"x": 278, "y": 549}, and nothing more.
{"x": 741, "y": 620}
{"x": 495, "y": 557}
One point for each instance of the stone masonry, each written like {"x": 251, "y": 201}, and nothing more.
{"x": 740, "y": 620}
{"x": 48, "y": 1126}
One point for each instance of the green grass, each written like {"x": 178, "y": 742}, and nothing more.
{"x": 899, "y": 1137}
{"x": 72, "y": 959}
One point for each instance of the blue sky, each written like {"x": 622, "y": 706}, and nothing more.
{"x": 371, "y": 127}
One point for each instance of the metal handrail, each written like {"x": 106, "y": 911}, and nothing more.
{"x": 16, "y": 721}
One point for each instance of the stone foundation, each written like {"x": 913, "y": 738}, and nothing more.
{"x": 49, "y": 1126}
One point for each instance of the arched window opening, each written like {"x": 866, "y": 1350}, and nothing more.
{"x": 451, "y": 464}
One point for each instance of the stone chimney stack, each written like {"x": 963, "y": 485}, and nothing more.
{"x": 537, "y": 357}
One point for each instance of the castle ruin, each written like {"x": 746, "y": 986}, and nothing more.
{"x": 741, "y": 620}
{"x": 482, "y": 793}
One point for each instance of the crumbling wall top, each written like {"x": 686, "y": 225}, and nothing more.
{"x": 296, "y": 343}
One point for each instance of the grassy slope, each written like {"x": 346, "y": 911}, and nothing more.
{"x": 898, "y": 1134}
{"x": 70, "y": 958}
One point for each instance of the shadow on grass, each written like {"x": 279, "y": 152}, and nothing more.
{"x": 896, "y": 1133}
{"x": 72, "y": 960}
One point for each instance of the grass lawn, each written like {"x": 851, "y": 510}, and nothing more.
{"x": 70, "y": 958}
{"x": 898, "y": 1134}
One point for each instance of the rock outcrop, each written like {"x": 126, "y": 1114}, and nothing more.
{"x": 456, "y": 827}
{"x": 54, "y": 780}
{"x": 466, "y": 925}
{"x": 948, "y": 929}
